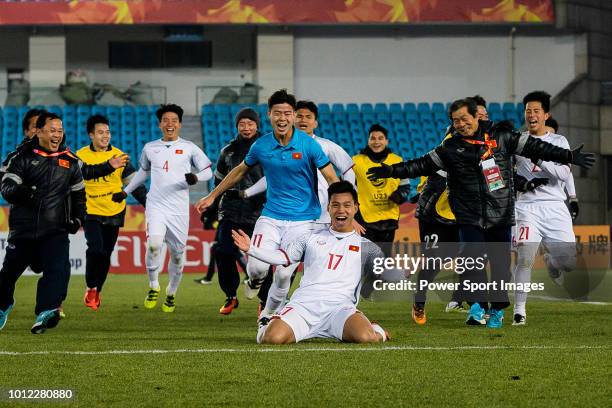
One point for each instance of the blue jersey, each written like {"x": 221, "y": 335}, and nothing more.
{"x": 291, "y": 174}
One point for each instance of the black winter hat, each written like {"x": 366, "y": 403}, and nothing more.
{"x": 249, "y": 114}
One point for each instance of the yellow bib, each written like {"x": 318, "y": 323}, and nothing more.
{"x": 100, "y": 190}
{"x": 374, "y": 203}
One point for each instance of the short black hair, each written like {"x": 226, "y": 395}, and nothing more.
{"x": 94, "y": 120}
{"x": 44, "y": 117}
{"x": 479, "y": 100}
{"x": 281, "y": 96}
{"x": 340, "y": 187}
{"x": 25, "y": 123}
{"x": 379, "y": 128}
{"x": 538, "y": 96}
{"x": 460, "y": 103}
{"x": 552, "y": 122}
{"x": 310, "y": 105}
{"x": 171, "y": 107}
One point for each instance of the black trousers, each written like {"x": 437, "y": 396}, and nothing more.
{"x": 227, "y": 254}
{"x": 101, "y": 241}
{"x": 52, "y": 254}
{"x": 384, "y": 239}
{"x": 495, "y": 244}
{"x": 435, "y": 239}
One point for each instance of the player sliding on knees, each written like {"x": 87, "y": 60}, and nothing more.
{"x": 325, "y": 304}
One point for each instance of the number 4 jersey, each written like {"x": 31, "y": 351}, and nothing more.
{"x": 168, "y": 162}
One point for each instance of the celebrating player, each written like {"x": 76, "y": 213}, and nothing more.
{"x": 289, "y": 158}
{"x": 325, "y": 304}
{"x": 169, "y": 162}
{"x": 306, "y": 120}
{"x": 541, "y": 214}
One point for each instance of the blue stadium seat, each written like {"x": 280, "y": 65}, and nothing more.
{"x": 98, "y": 110}
{"x": 496, "y": 116}
{"x": 56, "y": 110}
{"x": 337, "y": 109}
{"x": 438, "y": 107}
{"x": 494, "y": 107}
{"x": 367, "y": 108}
{"x": 368, "y": 117}
{"x": 352, "y": 108}
{"x": 410, "y": 107}
{"x": 520, "y": 109}
{"x": 423, "y": 107}
{"x": 509, "y": 107}
{"x": 381, "y": 108}
{"x": 414, "y": 127}
{"x": 395, "y": 108}
{"x": 411, "y": 116}
{"x": 324, "y": 108}
{"x": 207, "y": 110}
{"x": 222, "y": 108}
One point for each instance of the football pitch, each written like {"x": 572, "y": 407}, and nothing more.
{"x": 124, "y": 355}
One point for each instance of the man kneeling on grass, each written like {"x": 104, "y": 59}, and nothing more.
{"x": 325, "y": 304}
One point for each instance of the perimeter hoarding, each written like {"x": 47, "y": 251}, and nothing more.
{"x": 288, "y": 12}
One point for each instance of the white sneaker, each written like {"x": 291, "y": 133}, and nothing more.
{"x": 519, "y": 320}
{"x": 453, "y": 306}
{"x": 251, "y": 288}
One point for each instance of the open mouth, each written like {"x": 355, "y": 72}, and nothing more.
{"x": 341, "y": 218}
{"x": 302, "y": 126}
{"x": 54, "y": 143}
{"x": 282, "y": 127}
{"x": 533, "y": 123}
{"x": 170, "y": 130}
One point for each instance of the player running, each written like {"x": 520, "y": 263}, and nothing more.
{"x": 169, "y": 162}
{"x": 325, "y": 304}
{"x": 289, "y": 158}
{"x": 541, "y": 214}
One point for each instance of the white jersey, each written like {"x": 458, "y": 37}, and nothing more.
{"x": 333, "y": 265}
{"x": 556, "y": 174}
{"x": 341, "y": 160}
{"x": 168, "y": 163}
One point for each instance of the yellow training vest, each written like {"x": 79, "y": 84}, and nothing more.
{"x": 100, "y": 190}
{"x": 374, "y": 204}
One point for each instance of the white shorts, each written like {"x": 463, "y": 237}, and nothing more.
{"x": 547, "y": 221}
{"x": 273, "y": 234}
{"x": 316, "y": 319}
{"x": 174, "y": 228}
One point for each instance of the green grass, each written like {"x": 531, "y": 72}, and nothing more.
{"x": 561, "y": 358}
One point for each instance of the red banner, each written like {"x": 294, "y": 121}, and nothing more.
{"x": 278, "y": 12}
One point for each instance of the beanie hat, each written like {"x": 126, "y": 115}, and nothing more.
{"x": 249, "y": 114}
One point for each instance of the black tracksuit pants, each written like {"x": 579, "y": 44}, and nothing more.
{"x": 435, "y": 239}
{"x": 52, "y": 255}
{"x": 495, "y": 243}
{"x": 227, "y": 254}
{"x": 101, "y": 241}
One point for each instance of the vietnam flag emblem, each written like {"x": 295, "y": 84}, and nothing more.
{"x": 297, "y": 156}
{"x": 179, "y": 151}
{"x": 353, "y": 248}
{"x": 63, "y": 163}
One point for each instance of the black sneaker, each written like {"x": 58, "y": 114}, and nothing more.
{"x": 519, "y": 320}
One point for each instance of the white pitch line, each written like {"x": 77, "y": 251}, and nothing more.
{"x": 289, "y": 349}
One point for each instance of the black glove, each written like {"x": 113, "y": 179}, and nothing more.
{"x": 234, "y": 194}
{"x": 208, "y": 220}
{"x": 535, "y": 183}
{"x": 574, "y": 208}
{"x": 74, "y": 225}
{"x": 396, "y": 197}
{"x": 415, "y": 198}
{"x": 191, "y": 178}
{"x": 119, "y": 197}
{"x": 585, "y": 160}
{"x": 380, "y": 172}
{"x": 27, "y": 192}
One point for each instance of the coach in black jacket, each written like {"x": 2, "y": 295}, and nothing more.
{"x": 45, "y": 188}
{"x": 236, "y": 212}
{"x": 478, "y": 159}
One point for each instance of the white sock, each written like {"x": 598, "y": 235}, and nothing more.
{"x": 153, "y": 259}
{"x": 380, "y": 331}
{"x": 522, "y": 273}
{"x": 279, "y": 289}
{"x": 175, "y": 270}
